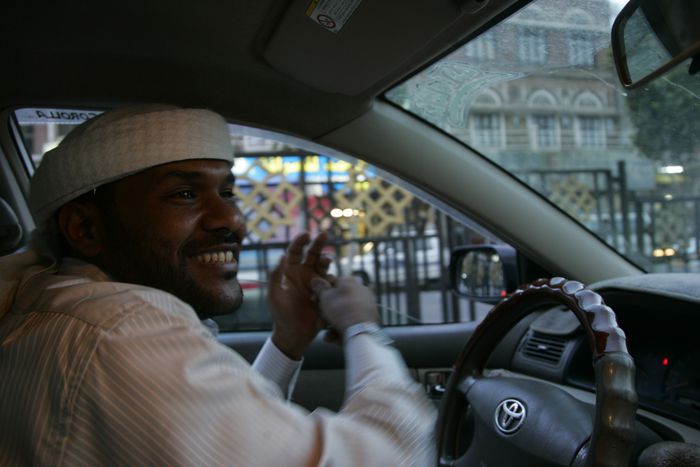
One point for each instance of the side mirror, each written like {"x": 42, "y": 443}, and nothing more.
{"x": 484, "y": 272}
{"x": 649, "y": 37}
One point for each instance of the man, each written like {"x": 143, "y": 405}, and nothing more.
{"x": 103, "y": 357}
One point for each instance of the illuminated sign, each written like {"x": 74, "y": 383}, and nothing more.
{"x": 316, "y": 168}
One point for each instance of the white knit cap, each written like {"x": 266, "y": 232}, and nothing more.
{"x": 119, "y": 143}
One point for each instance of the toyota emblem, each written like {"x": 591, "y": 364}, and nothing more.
{"x": 510, "y": 415}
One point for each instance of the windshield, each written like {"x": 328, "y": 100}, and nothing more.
{"x": 538, "y": 95}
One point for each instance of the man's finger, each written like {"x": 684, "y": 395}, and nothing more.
{"x": 324, "y": 262}
{"x": 314, "y": 253}
{"x": 331, "y": 279}
{"x": 277, "y": 274}
{"x": 295, "y": 251}
{"x": 318, "y": 285}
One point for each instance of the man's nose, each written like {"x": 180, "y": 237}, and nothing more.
{"x": 222, "y": 213}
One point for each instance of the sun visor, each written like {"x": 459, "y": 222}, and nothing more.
{"x": 338, "y": 46}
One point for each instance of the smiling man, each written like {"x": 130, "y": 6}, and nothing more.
{"x": 175, "y": 227}
{"x": 104, "y": 358}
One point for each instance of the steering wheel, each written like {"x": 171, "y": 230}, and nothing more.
{"x": 489, "y": 421}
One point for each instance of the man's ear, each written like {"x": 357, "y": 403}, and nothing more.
{"x": 80, "y": 225}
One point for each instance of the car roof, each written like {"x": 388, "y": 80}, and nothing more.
{"x": 263, "y": 63}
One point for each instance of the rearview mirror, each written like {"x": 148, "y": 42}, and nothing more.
{"x": 484, "y": 273}
{"x": 649, "y": 37}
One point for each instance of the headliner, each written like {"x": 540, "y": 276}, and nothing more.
{"x": 257, "y": 62}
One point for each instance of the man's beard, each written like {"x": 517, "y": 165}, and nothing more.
{"x": 141, "y": 260}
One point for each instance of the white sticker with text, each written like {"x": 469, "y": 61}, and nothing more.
{"x": 331, "y": 14}
{"x": 59, "y": 116}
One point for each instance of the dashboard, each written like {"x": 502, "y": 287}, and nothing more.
{"x": 662, "y": 336}
{"x": 660, "y": 314}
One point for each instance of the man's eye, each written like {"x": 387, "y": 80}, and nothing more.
{"x": 185, "y": 194}
{"x": 228, "y": 194}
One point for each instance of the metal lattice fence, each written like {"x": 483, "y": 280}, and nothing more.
{"x": 398, "y": 244}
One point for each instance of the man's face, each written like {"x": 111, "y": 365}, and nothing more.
{"x": 177, "y": 228}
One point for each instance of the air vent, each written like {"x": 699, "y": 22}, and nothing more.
{"x": 545, "y": 347}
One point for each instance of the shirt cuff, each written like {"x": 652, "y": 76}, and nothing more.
{"x": 368, "y": 360}
{"x": 277, "y": 367}
{"x": 370, "y": 328}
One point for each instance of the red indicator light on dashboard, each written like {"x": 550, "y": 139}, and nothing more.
{"x": 664, "y": 362}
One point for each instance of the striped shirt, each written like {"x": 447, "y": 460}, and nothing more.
{"x": 94, "y": 372}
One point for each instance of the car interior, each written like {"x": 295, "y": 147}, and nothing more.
{"x": 517, "y": 181}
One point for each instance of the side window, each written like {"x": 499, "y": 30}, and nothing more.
{"x": 380, "y": 230}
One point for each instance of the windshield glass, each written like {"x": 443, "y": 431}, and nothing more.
{"x": 538, "y": 95}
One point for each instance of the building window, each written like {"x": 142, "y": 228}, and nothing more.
{"x": 545, "y": 131}
{"x": 481, "y": 48}
{"x": 488, "y": 99}
{"x": 487, "y": 130}
{"x": 581, "y": 50}
{"x": 588, "y": 101}
{"x": 532, "y": 47}
{"x": 591, "y": 132}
